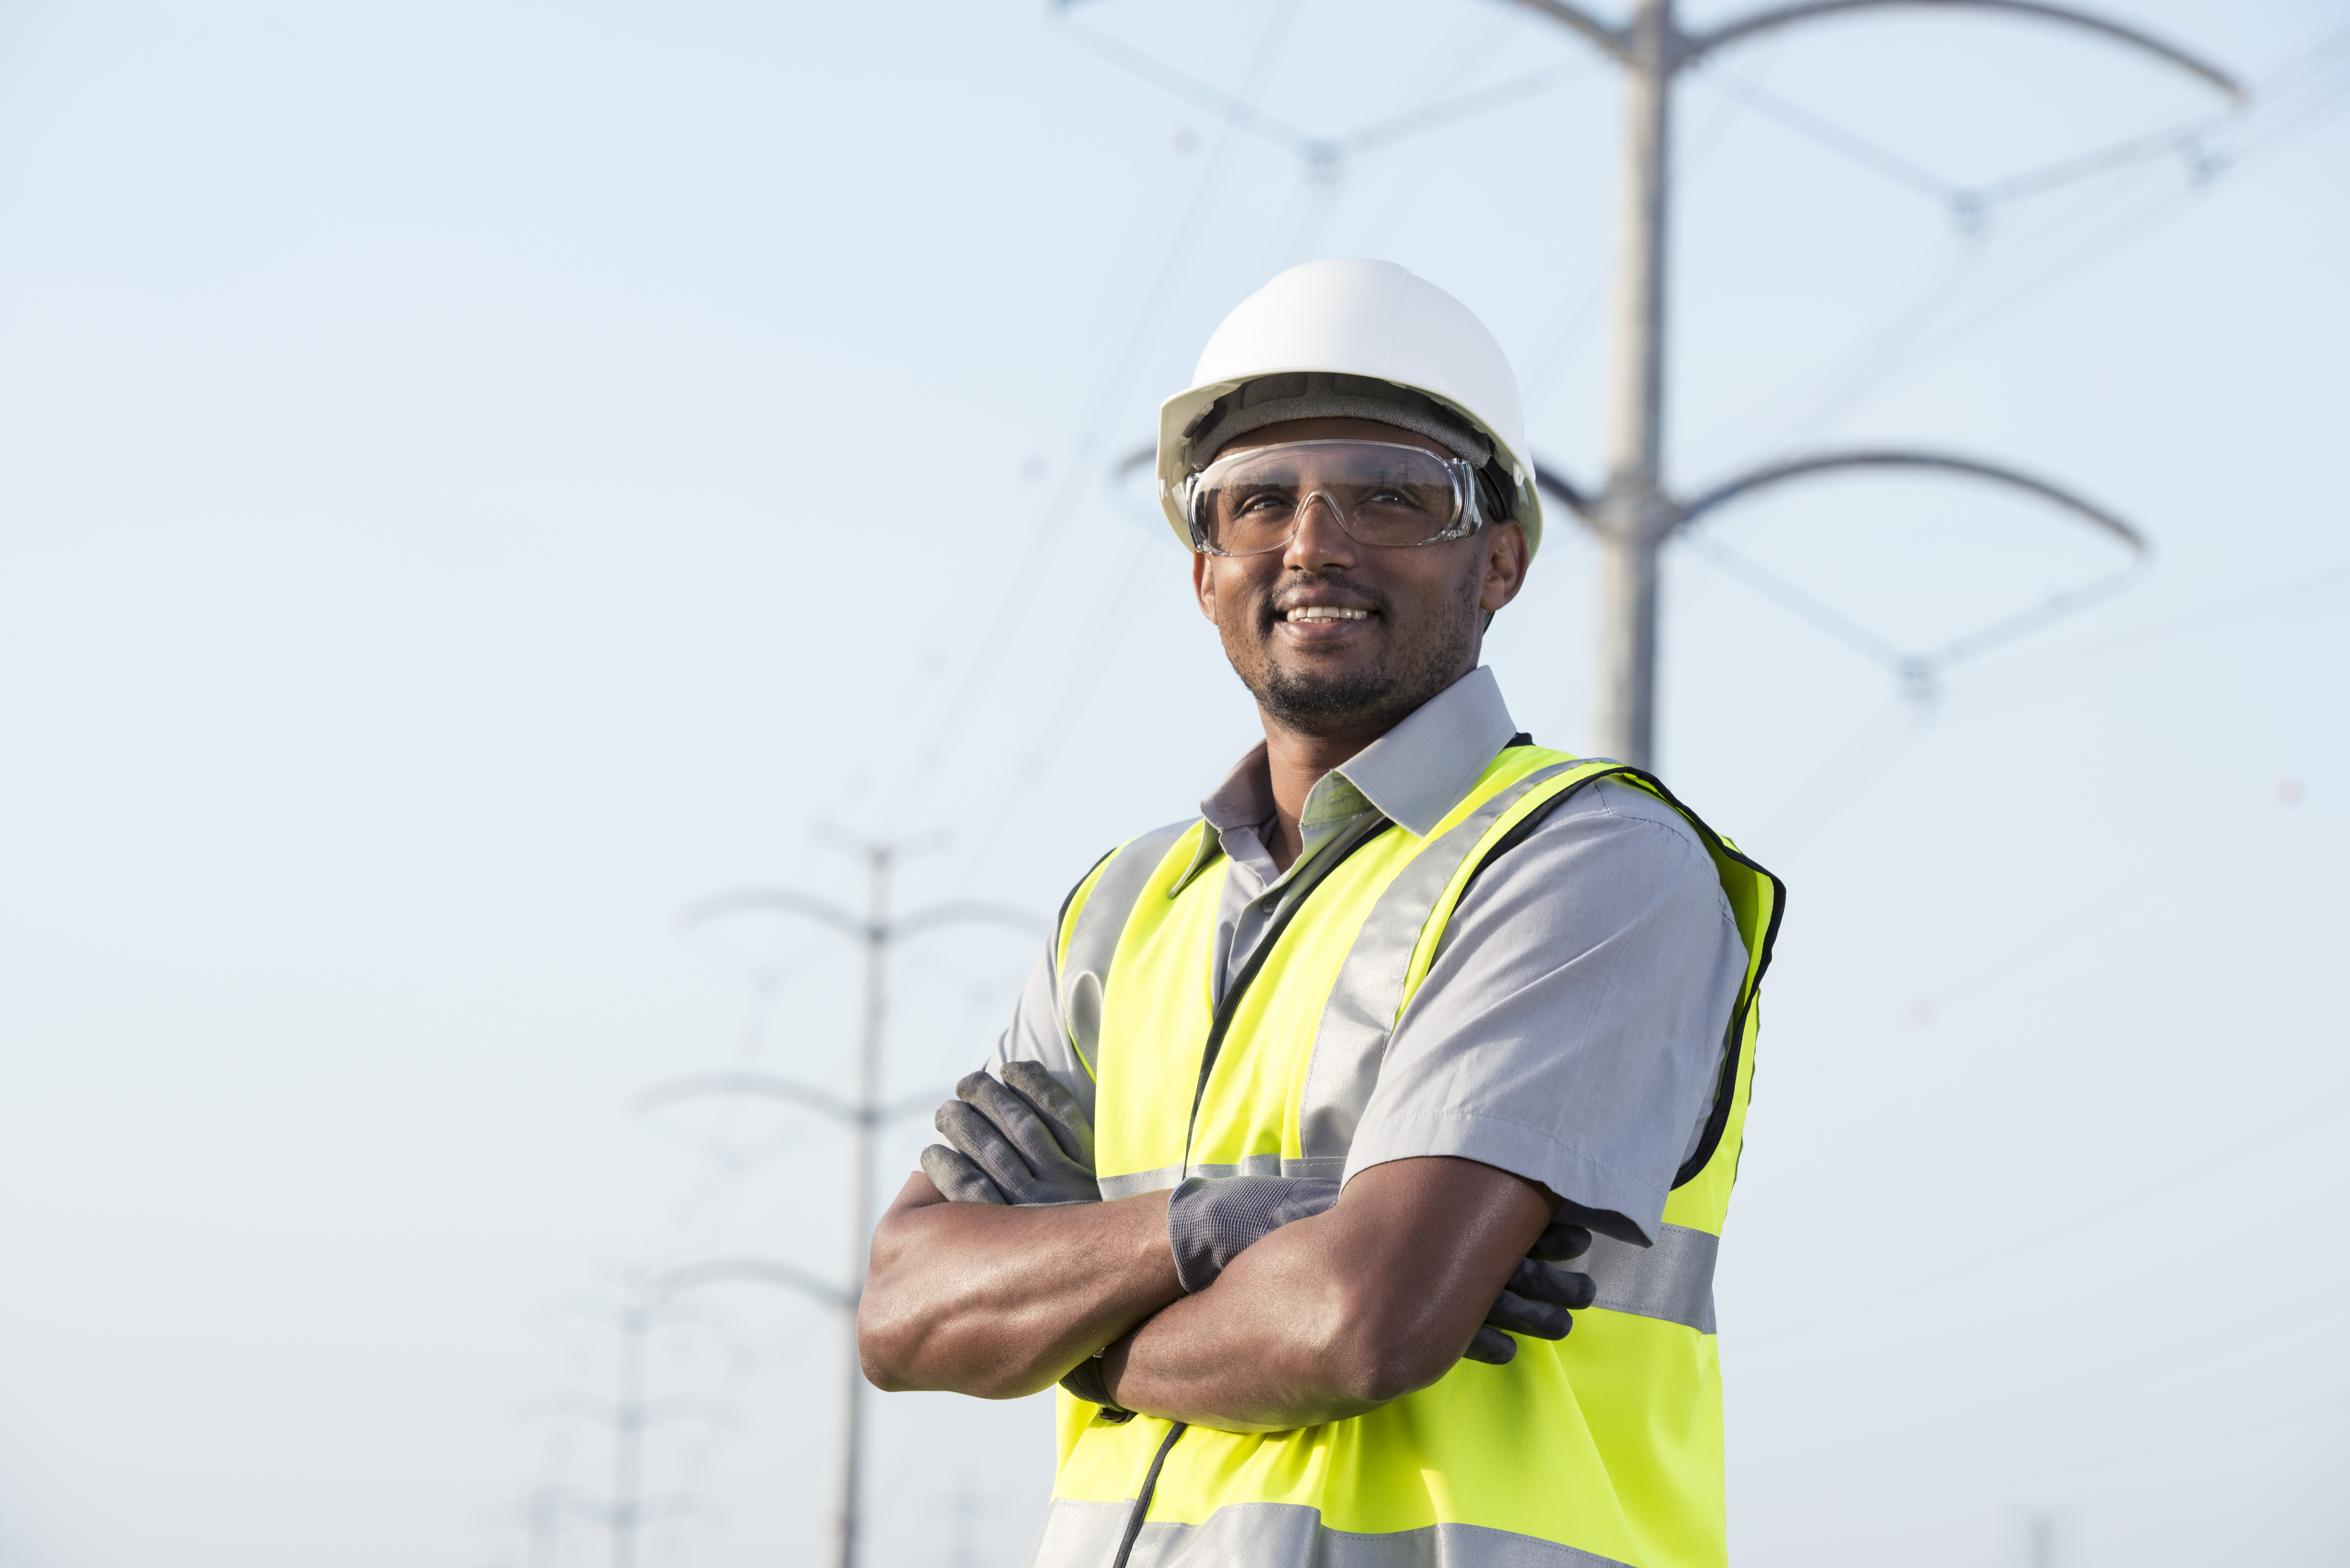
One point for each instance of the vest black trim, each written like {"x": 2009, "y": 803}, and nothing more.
{"x": 1725, "y": 1086}
{"x": 1061, "y": 918}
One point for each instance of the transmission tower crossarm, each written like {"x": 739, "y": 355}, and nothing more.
{"x": 1614, "y": 42}
{"x": 688, "y": 1407}
{"x": 1551, "y": 482}
{"x": 910, "y": 1104}
{"x": 1635, "y": 513}
{"x": 770, "y": 1086}
{"x": 955, "y": 914}
{"x": 1974, "y": 468}
{"x": 876, "y": 930}
{"x": 757, "y": 1272}
{"x": 571, "y": 1403}
{"x": 1694, "y": 47}
{"x": 782, "y": 898}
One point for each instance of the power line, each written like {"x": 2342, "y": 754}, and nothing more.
{"x": 876, "y": 930}
{"x": 2292, "y": 101}
{"x": 1848, "y": 144}
{"x": 945, "y": 731}
{"x": 655, "y": 1297}
{"x": 2264, "y": 610}
{"x": 630, "y": 1414}
{"x": 1323, "y": 154}
{"x": 1970, "y": 206}
{"x": 1238, "y": 111}
{"x": 1635, "y": 515}
{"x": 1920, "y": 672}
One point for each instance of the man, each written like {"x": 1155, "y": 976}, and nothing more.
{"x": 1298, "y": 1088}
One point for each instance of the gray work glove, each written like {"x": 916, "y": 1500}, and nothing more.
{"x": 1210, "y": 1220}
{"x": 1023, "y": 1141}
{"x": 1535, "y": 1301}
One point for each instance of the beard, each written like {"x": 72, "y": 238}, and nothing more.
{"x": 1316, "y": 702}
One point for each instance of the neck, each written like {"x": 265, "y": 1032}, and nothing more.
{"x": 1294, "y": 761}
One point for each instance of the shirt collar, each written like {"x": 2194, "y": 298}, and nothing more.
{"x": 1245, "y": 797}
{"x": 1243, "y": 800}
{"x": 1419, "y": 771}
{"x": 1414, "y": 773}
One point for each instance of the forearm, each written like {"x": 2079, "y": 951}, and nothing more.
{"x": 973, "y": 1298}
{"x": 1337, "y": 1314}
{"x": 1262, "y": 1350}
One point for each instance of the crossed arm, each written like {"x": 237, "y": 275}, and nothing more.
{"x": 1324, "y": 1318}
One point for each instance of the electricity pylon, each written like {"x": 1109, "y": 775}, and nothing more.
{"x": 875, "y": 931}
{"x": 1635, "y": 515}
{"x": 643, "y": 1309}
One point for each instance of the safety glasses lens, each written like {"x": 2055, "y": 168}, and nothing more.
{"x": 1250, "y": 501}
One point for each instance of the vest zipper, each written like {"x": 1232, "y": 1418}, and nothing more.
{"x": 1235, "y": 993}
{"x": 1142, "y": 1503}
{"x": 1331, "y": 860}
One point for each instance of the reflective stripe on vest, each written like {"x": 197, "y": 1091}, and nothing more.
{"x": 1278, "y": 1534}
{"x": 1090, "y": 925}
{"x": 1603, "y": 1449}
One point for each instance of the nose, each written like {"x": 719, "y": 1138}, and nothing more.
{"x": 1320, "y": 542}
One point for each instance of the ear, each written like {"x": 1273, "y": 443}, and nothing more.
{"x": 1203, "y": 582}
{"x": 1505, "y": 563}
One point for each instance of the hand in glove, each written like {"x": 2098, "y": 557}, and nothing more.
{"x": 1210, "y": 1220}
{"x": 1535, "y": 1301}
{"x": 1022, "y": 1141}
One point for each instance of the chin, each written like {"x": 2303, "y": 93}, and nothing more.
{"x": 1312, "y": 698}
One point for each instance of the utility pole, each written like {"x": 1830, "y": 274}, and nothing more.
{"x": 876, "y": 931}
{"x": 1630, "y": 510}
{"x": 631, "y": 1412}
{"x": 542, "y": 1517}
{"x": 1636, "y": 514}
{"x": 628, "y": 1428}
{"x": 2041, "y": 1539}
{"x": 966, "y": 1508}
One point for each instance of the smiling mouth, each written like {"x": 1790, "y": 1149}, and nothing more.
{"x": 1325, "y": 612}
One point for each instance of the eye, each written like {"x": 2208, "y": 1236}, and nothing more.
{"x": 1408, "y": 498}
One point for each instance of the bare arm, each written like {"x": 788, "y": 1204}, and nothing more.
{"x": 1337, "y": 1314}
{"x": 976, "y": 1298}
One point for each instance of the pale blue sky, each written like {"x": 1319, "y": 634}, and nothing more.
{"x": 475, "y": 478}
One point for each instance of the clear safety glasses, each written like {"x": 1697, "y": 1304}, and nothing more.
{"x": 1380, "y": 493}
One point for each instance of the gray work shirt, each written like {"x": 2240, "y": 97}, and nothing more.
{"x": 1571, "y": 1029}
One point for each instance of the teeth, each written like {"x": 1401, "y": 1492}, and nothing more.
{"x": 1323, "y": 612}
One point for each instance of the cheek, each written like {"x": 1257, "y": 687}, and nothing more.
{"x": 1230, "y": 593}
{"x": 1436, "y": 595}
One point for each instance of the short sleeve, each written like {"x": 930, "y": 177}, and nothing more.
{"x": 1572, "y": 1027}
{"x": 1036, "y": 1035}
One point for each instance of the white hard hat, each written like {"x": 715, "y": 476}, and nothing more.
{"x": 1341, "y": 336}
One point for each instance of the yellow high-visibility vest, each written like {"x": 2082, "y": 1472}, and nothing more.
{"x": 1601, "y": 1449}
